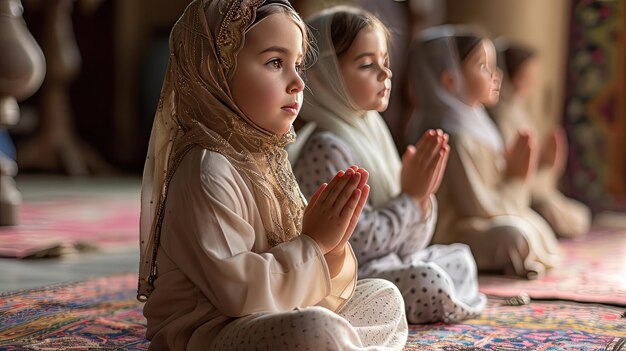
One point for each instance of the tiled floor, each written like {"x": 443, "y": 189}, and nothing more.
{"x": 30, "y": 273}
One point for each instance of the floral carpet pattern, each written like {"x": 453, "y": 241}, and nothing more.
{"x": 102, "y": 314}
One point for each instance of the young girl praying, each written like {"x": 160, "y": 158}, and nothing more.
{"x": 484, "y": 196}
{"x": 347, "y": 87}
{"x": 231, "y": 259}
{"x": 567, "y": 217}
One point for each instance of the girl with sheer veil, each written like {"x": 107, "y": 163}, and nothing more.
{"x": 567, "y": 217}
{"x": 347, "y": 87}
{"x": 231, "y": 259}
{"x": 484, "y": 196}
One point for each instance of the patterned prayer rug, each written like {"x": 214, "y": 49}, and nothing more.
{"x": 102, "y": 314}
{"x": 593, "y": 270}
{"x": 538, "y": 326}
{"x": 49, "y": 227}
{"x": 91, "y": 315}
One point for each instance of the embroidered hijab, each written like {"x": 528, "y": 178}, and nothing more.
{"x": 196, "y": 108}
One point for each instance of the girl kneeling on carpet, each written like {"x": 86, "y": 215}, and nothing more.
{"x": 231, "y": 259}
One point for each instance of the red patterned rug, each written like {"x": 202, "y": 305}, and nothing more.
{"x": 102, "y": 314}
{"x": 91, "y": 315}
{"x": 53, "y": 226}
{"x": 593, "y": 270}
{"x": 538, "y": 326}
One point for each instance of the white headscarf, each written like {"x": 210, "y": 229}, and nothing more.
{"x": 328, "y": 104}
{"x": 433, "y": 52}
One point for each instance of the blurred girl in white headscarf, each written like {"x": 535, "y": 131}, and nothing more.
{"x": 485, "y": 195}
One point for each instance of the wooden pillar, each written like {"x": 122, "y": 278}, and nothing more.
{"x": 22, "y": 68}
{"x": 56, "y": 146}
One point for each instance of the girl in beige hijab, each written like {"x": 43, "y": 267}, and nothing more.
{"x": 567, "y": 217}
{"x": 347, "y": 87}
{"x": 484, "y": 196}
{"x": 231, "y": 259}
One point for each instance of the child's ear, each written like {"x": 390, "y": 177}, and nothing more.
{"x": 447, "y": 80}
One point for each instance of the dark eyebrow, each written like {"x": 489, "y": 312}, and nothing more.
{"x": 477, "y": 56}
{"x": 368, "y": 54}
{"x": 280, "y": 50}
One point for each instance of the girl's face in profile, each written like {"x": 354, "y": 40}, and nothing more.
{"x": 267, "y": 84}
{"x": 365, "y": 70}
{"x": 481, "y": 76}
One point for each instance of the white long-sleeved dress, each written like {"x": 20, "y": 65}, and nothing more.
{"x": 220, "y": 286}
{"x": 438, "y": 283}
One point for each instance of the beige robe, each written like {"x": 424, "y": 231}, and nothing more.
{"x": 215, "y": 265}
{"x": 490, "y": 213}
{"x": 567, "y": 217}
